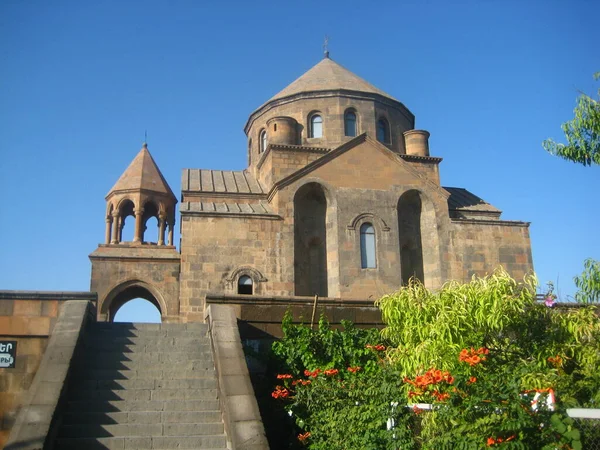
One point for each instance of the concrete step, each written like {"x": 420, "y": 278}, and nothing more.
{"x": 147, "y": 326}
{"x": 165, "y": 341}
{"x": 106, "y": 364}
{"x": 142, "y": 405}
{"x": 208, "y": 382}
{"x": 148, "y": 345}
{"x": 145, "y": 394}
{"x": 210, "y": 442}
{"x": 164, "y": 417}
{"x": 148, "y": 374}
{"x": 202, "y": 334}
{"x": 141, "y": 429}
{"x": 104, "y": 357}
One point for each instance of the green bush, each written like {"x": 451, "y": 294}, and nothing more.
{"x": 482, "y": 353}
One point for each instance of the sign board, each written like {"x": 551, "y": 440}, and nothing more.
{"x": 8, "y": 354}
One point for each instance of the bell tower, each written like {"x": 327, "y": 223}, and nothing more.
{"x": 137, "y": 268}
{"x": 143, "y": 193}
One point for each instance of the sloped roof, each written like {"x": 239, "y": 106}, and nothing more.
{"x": 221, "y": 181}
{"x": 257, "y": 208}
{"x": 462, "y": 200}
{"x": 328, "y": 75}
{"x": 142, "y": 174}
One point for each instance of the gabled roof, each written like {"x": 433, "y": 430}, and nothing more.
{"x": 142, "y": 174}
{"x": 328, "y": 75}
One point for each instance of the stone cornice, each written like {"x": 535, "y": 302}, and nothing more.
{"x": 231, "y": 215}
{"x": 509, "y": 223}
{"x": 48, "y": 295}
{"x": 424, "y": 159}
{"x": 287, "y": 301}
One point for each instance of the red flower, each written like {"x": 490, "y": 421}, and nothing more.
{"x": 472, "y": 380}
{"x": 378, "y": 347}
{"x": 354, "y": 369}
{"x": 303, "y": 437}
{"x": 285, "y": 376}
{"x": 331, "y": 372}
{"x": 280, "y": 392}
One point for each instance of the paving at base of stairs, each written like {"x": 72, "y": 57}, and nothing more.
{"x": 143, "y": 386}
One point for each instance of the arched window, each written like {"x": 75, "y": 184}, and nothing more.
{"x": 263, "y": 140}
{"x": 245, "y": 285}
{"x": 350, "y": 123}
{"x": 316, "y": 126}
{"x": 367, "y": 246}
{"x": 383, "y": 131}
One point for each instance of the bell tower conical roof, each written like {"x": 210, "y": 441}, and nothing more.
{"x": 142, "y": 174}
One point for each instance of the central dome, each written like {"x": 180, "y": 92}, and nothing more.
{"x": 328, "y": 75}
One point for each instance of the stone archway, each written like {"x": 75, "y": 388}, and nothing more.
{"x": 125, "y": 292}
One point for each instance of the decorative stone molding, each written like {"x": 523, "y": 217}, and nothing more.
{"x": 368, "y": 217}
{"x": 256, "y": 275}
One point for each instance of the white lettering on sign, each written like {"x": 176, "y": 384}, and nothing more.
{"x": 6, "y": 347}
{"x": 8, "y": 353}
{"x": 6, "y": 360}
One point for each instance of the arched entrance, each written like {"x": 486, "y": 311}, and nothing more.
{"x": 138, "y": 310}
{"x": 135, "y": 292}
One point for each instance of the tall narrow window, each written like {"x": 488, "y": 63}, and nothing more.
{"x": 350, "y": 123}
{"x": 316, "y": 126}
{"x": 383, "y": 131}
{"x": 367, "y": 246}
{"x": 245, "y": 285}
{"x": 263, "y": 140}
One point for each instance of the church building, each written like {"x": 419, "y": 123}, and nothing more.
{"x": 341, "y": 199}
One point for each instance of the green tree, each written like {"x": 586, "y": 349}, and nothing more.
{"x": 588, "y": 282}
{"x": 582, "y": 133}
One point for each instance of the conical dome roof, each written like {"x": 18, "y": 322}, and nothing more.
{"x": 328, "y": 75}
{"x": 142, "y": 174}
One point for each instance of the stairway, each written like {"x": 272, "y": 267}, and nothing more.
{"x": 143, "y": 386}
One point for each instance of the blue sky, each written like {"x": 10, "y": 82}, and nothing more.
{"x": 81, "y": 81}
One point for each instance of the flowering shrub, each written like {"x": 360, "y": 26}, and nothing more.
{"x": 484, "y": 354}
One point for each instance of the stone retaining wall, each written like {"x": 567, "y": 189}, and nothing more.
{"x": 29, "y": 318}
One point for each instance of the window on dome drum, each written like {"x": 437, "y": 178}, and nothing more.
{"x": 367, "y": 246}
{"x": 316, "y": 126}
{"x": 245, "y": 285}
{"x": 263, "y": 140}
{"x": 383, "y": 131}
{"x": 350, "y": 123}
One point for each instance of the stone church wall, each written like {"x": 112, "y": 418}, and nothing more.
{"x": 215, "y": 251}
{"x": 477, "y": 248}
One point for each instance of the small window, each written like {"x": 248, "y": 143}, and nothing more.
{"x": 245, "y": 285}
{"x": 350, "y": 123}
{"x": 263, "y": 140}
{"x": 367, "y": 246}
{"x": 383, "y": 131}
{"x": 316, "y": 126}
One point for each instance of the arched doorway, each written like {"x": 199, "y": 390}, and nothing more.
{"x": 137, "y": 310}
{"x": 310, "y": 241}
{"x": 132, "y": 302}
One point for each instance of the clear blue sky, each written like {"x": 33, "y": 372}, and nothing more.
{"x": 80, "y": 81}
